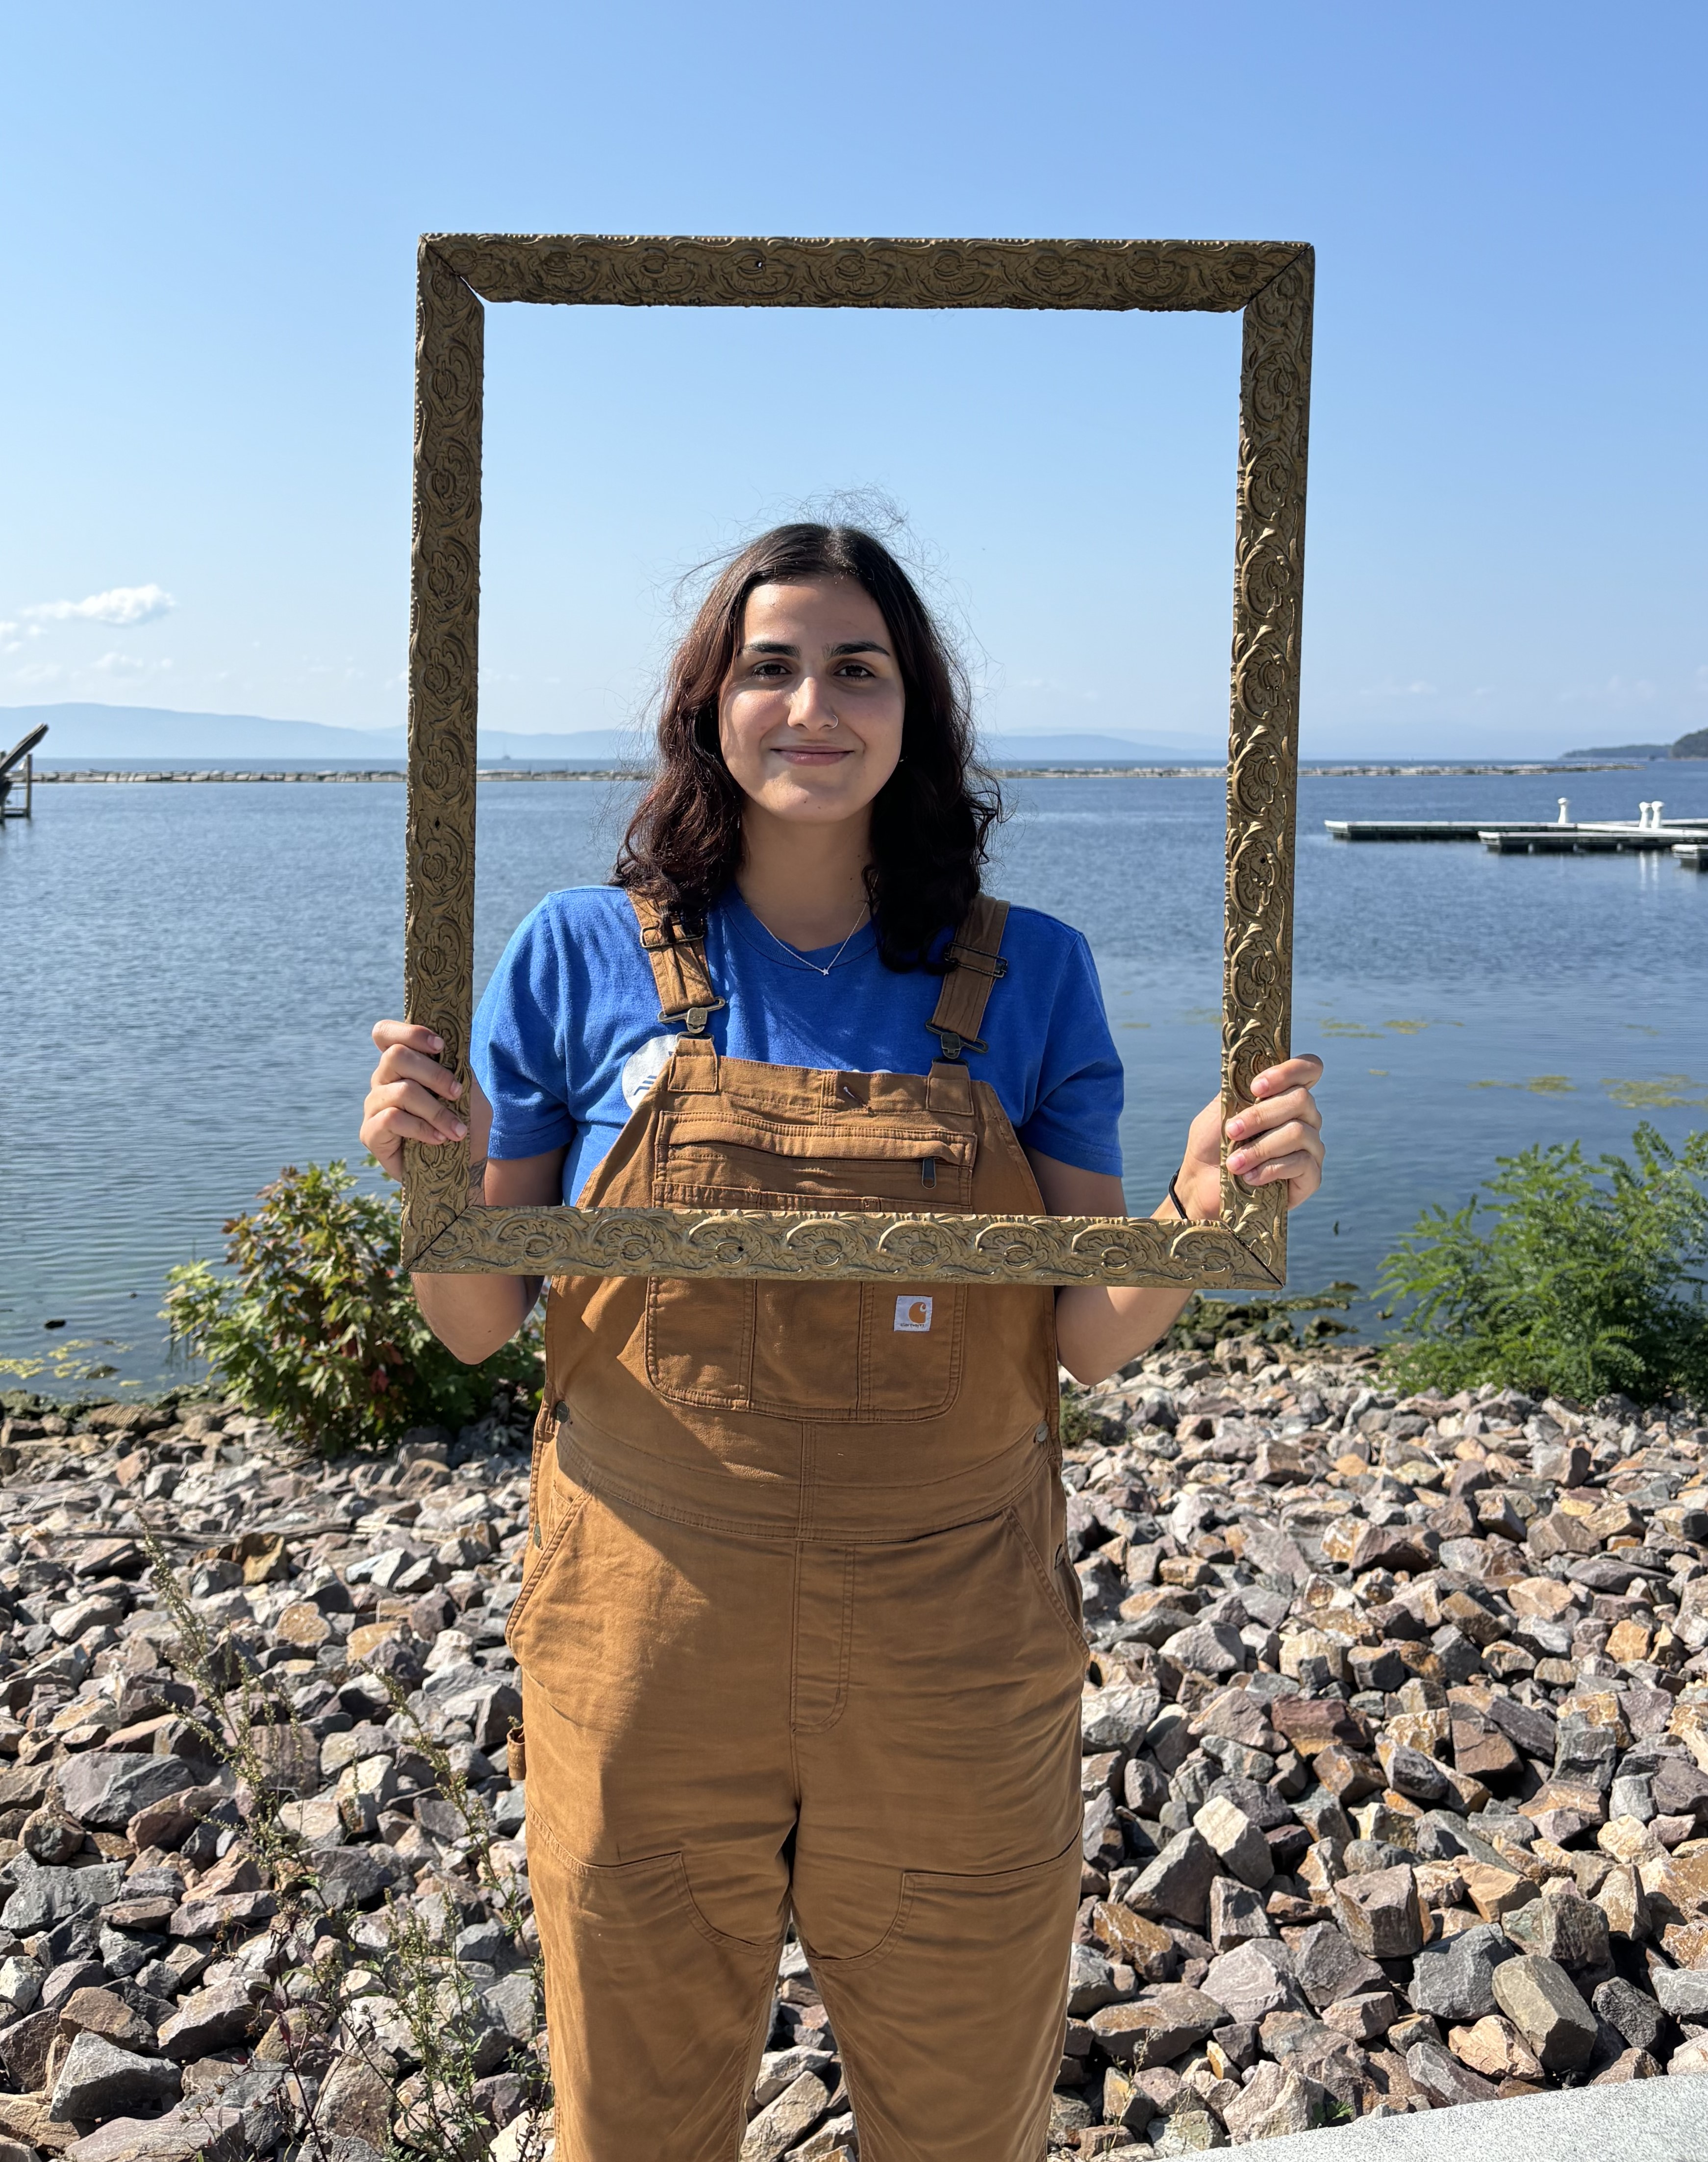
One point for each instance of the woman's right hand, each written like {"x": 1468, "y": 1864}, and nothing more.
{"x": 411, "y": 1097}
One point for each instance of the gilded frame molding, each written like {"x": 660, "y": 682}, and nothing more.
{"x": 1270, "y": 283}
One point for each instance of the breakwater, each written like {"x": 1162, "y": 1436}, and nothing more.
{"x": 1208, "y": 772}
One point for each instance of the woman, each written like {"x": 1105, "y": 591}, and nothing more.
{"x": 798, "y": 1631}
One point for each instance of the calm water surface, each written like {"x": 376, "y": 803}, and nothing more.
{"x": 190, "y": 974}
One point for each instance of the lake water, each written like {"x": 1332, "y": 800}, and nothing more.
{"x": 189, "y": 973}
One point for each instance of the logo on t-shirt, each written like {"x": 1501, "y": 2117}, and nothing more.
{"x": 912, "y": 1314}
{"x": 642, "y": 1068}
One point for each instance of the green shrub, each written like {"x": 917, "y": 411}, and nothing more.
{"x": 317, "y": 1329}
{"x": 1587, "y": 1279}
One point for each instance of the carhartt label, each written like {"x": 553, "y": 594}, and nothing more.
{"x": 913, "y": 1315}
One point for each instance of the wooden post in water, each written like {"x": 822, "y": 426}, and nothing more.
{"x": 21, "y": 753}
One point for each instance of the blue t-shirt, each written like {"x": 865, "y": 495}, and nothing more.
{"x": 567, "y": 1039}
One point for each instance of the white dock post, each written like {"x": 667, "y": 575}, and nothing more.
{"x": 1565, "y": 817}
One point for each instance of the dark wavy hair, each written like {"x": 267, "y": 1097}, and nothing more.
{"x": 931, "y": 818}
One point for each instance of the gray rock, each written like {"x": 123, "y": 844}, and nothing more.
{"x": 24, "y": 2047}
{"x": 783, "y": 2124}
{"x": 1631, "y": 1797}
{"x": 1418, "y": 1778}
{"x": 1679, "y": 1789}
{"x": 1638, "y": 2018}
{"x": 1187, "y": 2132}
{"x": 98, "y": 2081}
{"x": 209, "y": 2019}
{"x": 43, "y": 1898}
{"x": 1586, "y": 1754}
{"x": 1327, "y": 1966}
{"x": 1362, "y": 2017}
{"x": 1177, "y": 1881}
{"x": 105, "y": 1788}
{"x": 1530, "y": 1727}
{"x": 354, "y": 1875}
{"x": 779, "y": 2069}
{"x": 512, "y": 2001}
{"x": 357, "y": 2099}
{"x": 1454, "y": 1981}
{"x": 1117, "y": 1717}
{"x": 1562, "y": 1926}
{"x": 1380, "y": 1913}
{"x": 1255, "y": 1981}
{"x": 20, "y": 1985}
{"x": 1540, "y": 2000}
{"x": 1091, "y": 1982}
{"x": 489, "y": 1709}
{"x": 1208, "y": 1648}
{"x": 1237, "y": 1843}
{"x": 1236, "y": 1915}
{"x": 68, "y": 1976}
{"x": 196, "y": 2132}
{"x": 1444, "y": 2079}
{"x": 1173, "y": 2020}
{"x": 1268, "y": 1547}
{"x": 1276, "y": 2100}
{"x": 1681, "y": 1992}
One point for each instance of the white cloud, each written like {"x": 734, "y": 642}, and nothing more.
{"x": 124, "y": 607}
{"x": 39, "y": 671}
{"x": 113, "y": 664}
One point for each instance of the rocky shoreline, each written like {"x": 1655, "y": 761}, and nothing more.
{"x": 1396, "y": 1761}
{"x": 1395, "y": 1775}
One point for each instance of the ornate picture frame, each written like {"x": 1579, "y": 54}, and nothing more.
{"x": 1271, "y": 283}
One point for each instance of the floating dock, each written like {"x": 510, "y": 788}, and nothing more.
{"x": 1586, "y": 840}
{"x": 1394, "y": 829}
{"x": 1687, "y": 841}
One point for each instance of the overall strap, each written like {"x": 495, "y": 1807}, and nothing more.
{"x": 975, "y": 952}
{"x": 677, "y": 953}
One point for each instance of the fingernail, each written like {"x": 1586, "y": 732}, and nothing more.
{"x": 458, "y": 1128}
{"x": 435, "y": 1043}
{"x": 1238, "y": 1161}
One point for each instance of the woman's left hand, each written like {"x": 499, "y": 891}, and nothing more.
{"x": 1278, "y": 1137}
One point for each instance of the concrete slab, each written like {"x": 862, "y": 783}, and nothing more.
{"x": 1642, "y": 2121}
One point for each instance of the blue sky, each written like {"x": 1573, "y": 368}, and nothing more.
{"x": 211, "y": 215}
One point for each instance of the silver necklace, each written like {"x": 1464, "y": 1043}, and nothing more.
{"x": 798, "y": 958}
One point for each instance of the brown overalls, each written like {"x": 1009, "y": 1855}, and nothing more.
{"x": 797, "y": 1632}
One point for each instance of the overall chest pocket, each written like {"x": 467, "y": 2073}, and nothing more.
{"x": 823, "y": 1351}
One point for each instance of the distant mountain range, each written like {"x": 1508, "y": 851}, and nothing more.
{"x": 1694, "y": 745}
{"x": 157, "y": 732}
{"x": 133, "y": 732}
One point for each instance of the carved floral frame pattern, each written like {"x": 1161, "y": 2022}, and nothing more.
{"x": 1271, "y": 283}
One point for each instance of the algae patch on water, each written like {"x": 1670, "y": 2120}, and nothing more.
{"x": 1664, "y": 1093}
{"x": 1362, "y": 1030}
{"x": 1538, "y": 1085}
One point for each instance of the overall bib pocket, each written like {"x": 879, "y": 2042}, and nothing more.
{"x": 828, "y": 1352}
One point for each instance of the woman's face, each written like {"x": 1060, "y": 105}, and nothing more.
{"x": 809, "y": 719}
